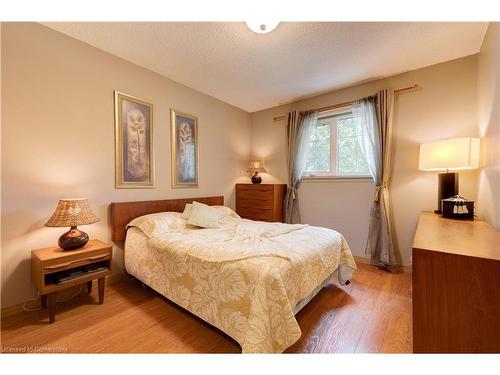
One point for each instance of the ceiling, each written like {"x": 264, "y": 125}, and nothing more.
{"x": 256, "y": 71}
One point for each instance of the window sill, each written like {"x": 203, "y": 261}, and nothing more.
{"x": 362, "y": 179}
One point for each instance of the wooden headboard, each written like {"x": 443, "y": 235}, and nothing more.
{"x": 123, "y": 212}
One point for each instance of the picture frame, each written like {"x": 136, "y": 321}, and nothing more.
{"x": 134, "y": 150}
{"x": 184, "y": 146}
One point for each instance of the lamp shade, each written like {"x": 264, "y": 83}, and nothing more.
{"x": 262, "y": 27}
{"x": 456, "y": 153}
{"x": 256, "y": 166}
{"x": 72, "y": 212}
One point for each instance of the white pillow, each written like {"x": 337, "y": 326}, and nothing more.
{"x": 154, "y": 225}
{"x": 203, "y": 216}
{"x": 222, "y": 210}
{"x": 226, "y": 212}
{"x": 187, "y": 211}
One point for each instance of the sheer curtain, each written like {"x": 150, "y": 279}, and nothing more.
{"x": 298, "y": 134}
{"x": 373, "y": 116}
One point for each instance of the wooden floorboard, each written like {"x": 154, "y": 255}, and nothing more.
{"x": 371, "y": 315}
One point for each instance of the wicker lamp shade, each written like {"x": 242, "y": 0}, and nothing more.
{"x": 72, "y": 212}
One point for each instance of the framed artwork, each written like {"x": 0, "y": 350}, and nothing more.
{"x": 184, "y": 138}
{"x": 134, "y": 159}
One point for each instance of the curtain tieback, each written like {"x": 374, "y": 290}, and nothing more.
{"x": 292, "y": 192}
{"x": 378, "y": 189}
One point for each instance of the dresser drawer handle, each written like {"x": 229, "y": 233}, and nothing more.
{"x": 76, "y": 261}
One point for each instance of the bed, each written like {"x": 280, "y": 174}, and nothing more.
{"x": 246, "y": 278}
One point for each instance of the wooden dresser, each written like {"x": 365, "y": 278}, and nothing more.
{"x": 456, "y": 286}
{"x": 263, "y": 202}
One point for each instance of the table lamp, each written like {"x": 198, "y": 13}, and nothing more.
{"x": 256, "y": 166}
{"x": 70, "y": 213}
{"x": 445, "y": 155}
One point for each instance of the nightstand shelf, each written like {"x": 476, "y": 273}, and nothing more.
{"x": 53, "y": 269}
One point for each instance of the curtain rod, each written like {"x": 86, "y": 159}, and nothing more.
{"x": 345, "y": 104}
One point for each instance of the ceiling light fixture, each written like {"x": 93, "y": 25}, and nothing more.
{"x": 262, "y": 27}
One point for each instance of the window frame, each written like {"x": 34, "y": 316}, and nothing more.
{"x": 333, "y": 175}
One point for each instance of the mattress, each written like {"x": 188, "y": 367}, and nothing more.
{"x": 248, "y": 279}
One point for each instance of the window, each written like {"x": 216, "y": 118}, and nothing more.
{"x": 334, "y": 148}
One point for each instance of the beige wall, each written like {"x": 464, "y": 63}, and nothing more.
{"x": 58, "y": 140}
{"x": 489, "y": 124}
{"x": 0, "y": 145}
{"x": 444, "y": 107}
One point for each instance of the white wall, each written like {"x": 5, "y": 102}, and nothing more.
{"x": 444, "y": 107}
{"x": 58, "y": 140}
{"x": 489, "y": 124}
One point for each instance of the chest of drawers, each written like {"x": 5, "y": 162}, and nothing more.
{"x": 262, "y": 202}
{"x": 456, "y": 286}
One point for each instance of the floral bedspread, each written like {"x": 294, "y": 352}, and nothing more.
{"x": 244, "y": 278}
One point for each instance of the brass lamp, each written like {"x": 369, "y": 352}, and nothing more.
{"x": 256, "y": 166}
{"x": 70, "y": 213}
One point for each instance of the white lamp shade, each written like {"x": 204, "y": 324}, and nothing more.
{"x": 262, "y": 27}
{"x": 456, "y": 153}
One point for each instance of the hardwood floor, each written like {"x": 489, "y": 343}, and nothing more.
{"x": 372, "y": 314}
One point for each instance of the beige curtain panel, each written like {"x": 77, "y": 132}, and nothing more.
{"x": 373, "y": 115}
{"x": 298, "y": 134}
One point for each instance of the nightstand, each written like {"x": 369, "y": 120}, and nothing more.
{"x": 262, "y": 202}
{"x": 53, "y": 269}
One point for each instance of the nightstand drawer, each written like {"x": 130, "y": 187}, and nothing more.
{"x": 68, "y": 258}
{"x": 75, "y": 263}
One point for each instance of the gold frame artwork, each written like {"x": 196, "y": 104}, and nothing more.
{"x": 125, "y": 179}
{"x": 176, "y": 183}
